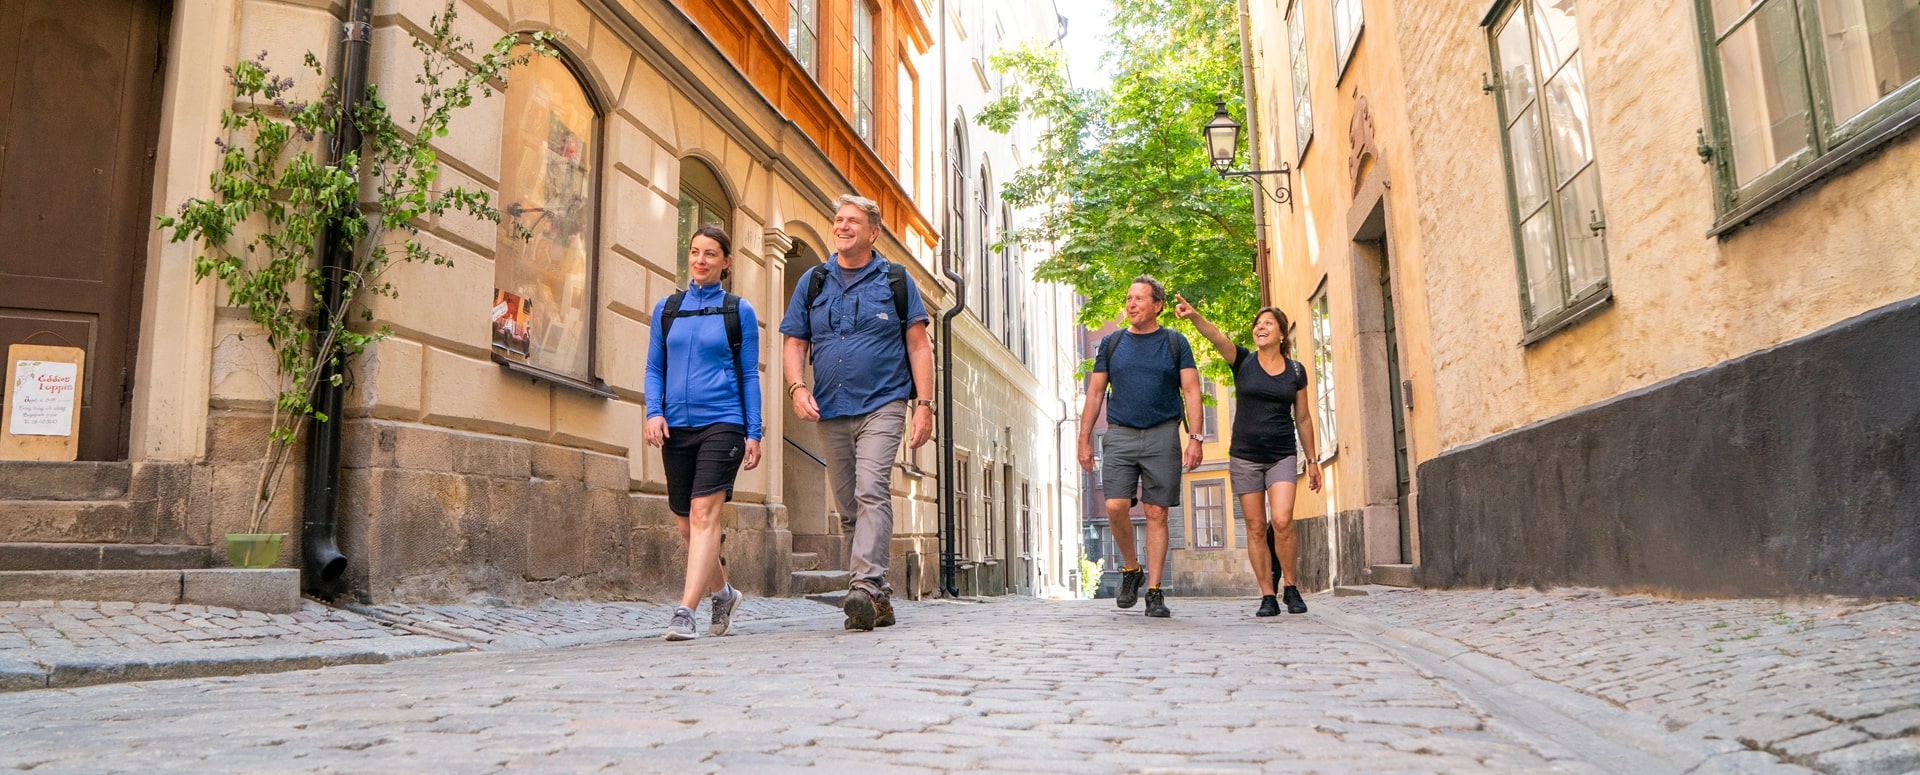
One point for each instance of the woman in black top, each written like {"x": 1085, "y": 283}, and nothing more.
{"x": 1270, "y": 390}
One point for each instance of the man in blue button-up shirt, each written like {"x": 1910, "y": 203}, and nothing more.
{"x": 867, "y": 364}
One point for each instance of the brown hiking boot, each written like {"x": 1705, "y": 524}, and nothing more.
{"x": 860, "y": 609}
{"x": 882, "y": 611}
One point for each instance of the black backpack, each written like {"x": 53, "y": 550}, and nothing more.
{"x": 896, "y": 282}
{"x": 729, "y": 310}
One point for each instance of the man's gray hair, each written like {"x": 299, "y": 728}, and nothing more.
{"x": 868, "y": 206}
{"x": 1159, "y": 291}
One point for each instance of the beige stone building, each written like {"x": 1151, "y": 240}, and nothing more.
{"x": 1621, "y": 285}
{"x": 486, "y": 454}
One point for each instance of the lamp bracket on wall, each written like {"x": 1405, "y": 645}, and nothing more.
{"x": 1281, "y": 193}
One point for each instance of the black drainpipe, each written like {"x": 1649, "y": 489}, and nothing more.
{"x": 325, "y": 566}
{"x": 947, "y": 500}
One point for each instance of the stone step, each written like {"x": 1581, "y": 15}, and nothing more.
{"x": 810, "y": 582}
{"x": 270, "y": 590}
{"x": 48, "y": 556}
{"x": 805, "y": 561}
{"x": 54, "y": 521}
{"x": 63, "y": 480}
{"x": 1391, "y": 575}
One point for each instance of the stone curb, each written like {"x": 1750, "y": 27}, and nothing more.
{"x": 1618, "y": 737}
{"x": 90, "y": 667}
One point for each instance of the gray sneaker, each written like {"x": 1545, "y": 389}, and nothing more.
{"x": 723, "y": 603}
{"x": 681, "y": 628}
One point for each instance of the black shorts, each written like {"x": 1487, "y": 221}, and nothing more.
{"x": 701, "y": 461}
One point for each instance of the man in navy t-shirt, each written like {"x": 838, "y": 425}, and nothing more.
{"x": 1154, "y": 382}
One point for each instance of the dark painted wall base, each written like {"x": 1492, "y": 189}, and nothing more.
{"x": 1791, "y": 470}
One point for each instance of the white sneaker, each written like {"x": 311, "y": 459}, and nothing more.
{"x": 723, "y": 602}
{"x": 681, "y": 628}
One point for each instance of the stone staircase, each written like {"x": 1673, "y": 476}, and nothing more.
{"x": 809, "y": 578}
{"x": 113, "y": 531}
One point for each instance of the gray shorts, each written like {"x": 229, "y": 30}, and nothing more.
{"x": 1250, "y": 477}
{"x": 1142, "y": 461}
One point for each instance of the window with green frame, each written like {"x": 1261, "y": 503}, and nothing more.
{"x": 1302, "y": 94}
{"x": 1553, "y": 188}
{"x": 1322, "y": 327}
{"x": 1797, "y": 87}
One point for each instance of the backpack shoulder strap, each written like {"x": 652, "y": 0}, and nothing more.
{"x": 1107, "y": 345}
{"x": 667, "y": 316}
{"x": 730, "y": 313}
{"x": 897, "y": 282}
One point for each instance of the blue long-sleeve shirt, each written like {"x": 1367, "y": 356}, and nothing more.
{"x": 698, "y": 387}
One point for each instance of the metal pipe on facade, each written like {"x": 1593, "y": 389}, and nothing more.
{"x": 1260, "y": 245}
{"x": 323, "y": 565}
{"x": 948, "y": 505}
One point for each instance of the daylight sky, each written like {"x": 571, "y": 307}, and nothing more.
{"x": 1086, "y": 40}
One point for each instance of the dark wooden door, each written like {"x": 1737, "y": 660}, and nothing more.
{"x": 79, "y": 95}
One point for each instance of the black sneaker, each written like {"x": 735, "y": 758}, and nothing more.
{"x": 883, "y": 611}
{"x": 1157, "y": 604}
{"x": 1294, "y": 604}
{"x": 1130, "y": 583}
{"x": 1268, "y": 606}
{"x": 860, "y": 610}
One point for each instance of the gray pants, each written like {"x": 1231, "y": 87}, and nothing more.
{"x": 860, "y": 450}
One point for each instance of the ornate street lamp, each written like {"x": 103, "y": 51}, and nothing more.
{"x": 1223, "y": 145}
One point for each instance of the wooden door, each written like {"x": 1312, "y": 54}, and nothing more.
{"x": 79, "y": 97}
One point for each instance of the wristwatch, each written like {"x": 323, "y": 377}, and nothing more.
{"x": 926, "y": 402}
{"x": 1197, "y": 436}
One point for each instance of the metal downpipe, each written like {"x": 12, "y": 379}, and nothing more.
{"x": 947, "y": 504}
{"x": 323, "y": 566}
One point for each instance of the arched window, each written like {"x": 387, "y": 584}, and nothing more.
{"x": 1009, "y": 281}
{"x": 957, "y": 204}
{"x": 543, "y": 298}
{"x": 703, "y": 202}
{"x": 983, "y": 256}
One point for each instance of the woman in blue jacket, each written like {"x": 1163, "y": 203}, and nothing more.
{"x": 703, "y": 412}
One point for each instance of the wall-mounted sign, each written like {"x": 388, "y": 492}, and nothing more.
{"x": 40, "y": 418}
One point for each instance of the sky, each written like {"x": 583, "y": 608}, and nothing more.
{"x": 1086, "y": 40}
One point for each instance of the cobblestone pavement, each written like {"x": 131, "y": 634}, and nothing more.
{"x": 1396, "y": 681}
{"x": 70, "y": 643}
{"x": 1004, "y": 686}
{"x": 1832, "y": 684}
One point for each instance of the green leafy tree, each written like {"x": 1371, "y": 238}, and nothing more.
{"x": 1122, "y": 179}
{"x": 274, "y": 198}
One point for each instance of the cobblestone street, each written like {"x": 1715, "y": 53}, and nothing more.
{"x": 1395, "y": 681}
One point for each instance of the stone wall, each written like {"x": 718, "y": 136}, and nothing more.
{"x": 1790, "y": 471}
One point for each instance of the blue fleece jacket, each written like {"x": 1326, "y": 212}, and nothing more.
{"x": 698, "y": 387}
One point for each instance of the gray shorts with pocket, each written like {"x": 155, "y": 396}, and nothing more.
{"x": 1143, "y": 460}
{"x": 1250, "y": 477}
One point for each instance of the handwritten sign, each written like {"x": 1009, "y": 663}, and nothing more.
{"x": 45, "y": 388}
{"x": 42, "y": 398}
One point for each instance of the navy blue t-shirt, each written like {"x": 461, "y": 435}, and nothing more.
{"x": 1144, "y": 377}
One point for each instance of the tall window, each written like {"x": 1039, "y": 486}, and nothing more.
{"x": 543, "y": 265}
{"x": 1007, "y": 276}
{"x": 1209, "y": 412}
{"x": 957, "y": 226}
{"x": 803, "y": 34}
{"x": 1347, "y": 21}
{"x": 863, "y": 70}
{"x": 1302, "y": 93}
{"x": 703, "y": 202}
{"x": 1554, "y": 189}
{"x": 963, "y": 508}
{"x": 1323, "y": 374}
{"x": 983, "y": 256}
{"x": 989, "y": 510}
{"x": 907, "y": 90}
{"x": 1209, "y": 514}
{"x": 1791, "y": 81}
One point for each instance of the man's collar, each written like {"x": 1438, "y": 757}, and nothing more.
{"x": 862, "y": 272}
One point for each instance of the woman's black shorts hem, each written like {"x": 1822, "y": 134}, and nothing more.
{"x": 700, "y": 462}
